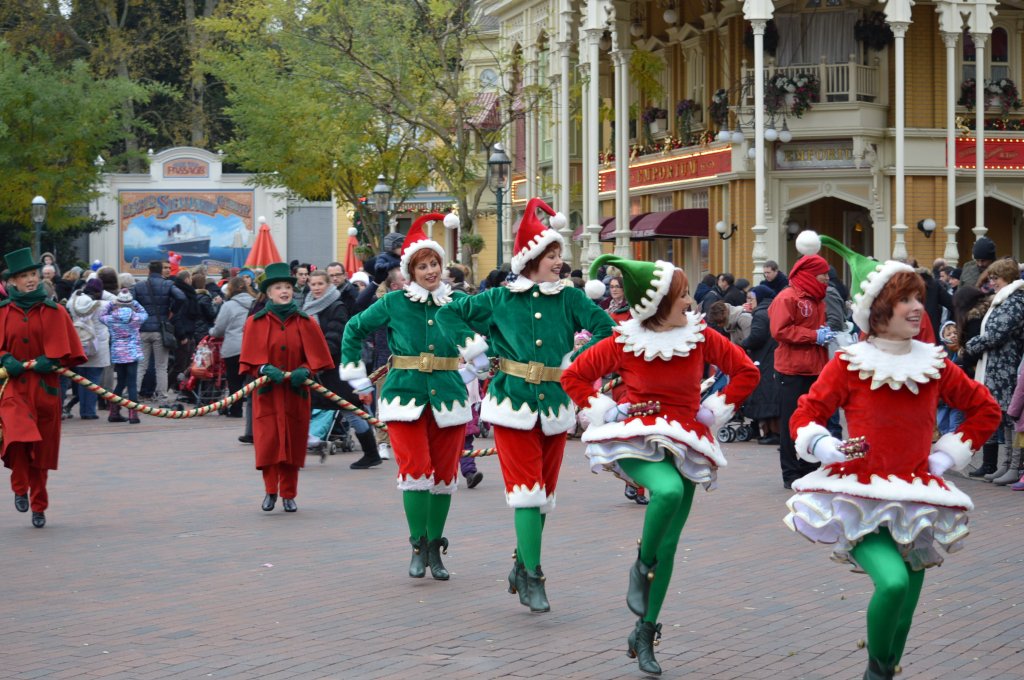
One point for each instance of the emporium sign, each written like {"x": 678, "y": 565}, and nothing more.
{"x": 670, "y": 171}
{"x": 1000, "y": 154}
{"x": 815, "y": 155}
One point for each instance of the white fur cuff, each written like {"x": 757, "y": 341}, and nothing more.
{"x": 474, "y": 347}
{"x": 805, "y": 437}
{"x": 522, "y": 497}
{"x": 352, "y": 371}
{"x": 407, "y": 483}
{"x": 442, "y": 489}
{"x": 722, "y": 411}
{"x": 600, "y": 404}
{"x": 954, "y": 444}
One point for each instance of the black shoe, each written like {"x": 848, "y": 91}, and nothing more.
{"x": 89, "y": 417}
{"x": 289, "y": 505}
{"x": 786, "y": 484}
{"x": 982, "y": 471}
{"x": 21, "y": 503}
{"x": 641, "y": 499}
{"x": 474, "y": 479}
{"x": 769, "y": 440}
{"x": 245, "y": 439}
{"x": 38, "y": 520}
{"x": 269, "y": 501}
{"x": 366, "y": 462}
{"x": 418, "y": 563}
{"x": 630, "y": 492}
{"x": 434, "y": 550}
{"x": 535, "y": 592}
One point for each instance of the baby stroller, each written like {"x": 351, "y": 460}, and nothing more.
{"x": 737, "y": 429}
{"x": 329, "y": 433}
{"x": 206, "y": 381}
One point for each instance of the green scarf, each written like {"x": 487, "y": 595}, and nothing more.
{"x": 27, "y": 300}
{"x": 282, "y": 312}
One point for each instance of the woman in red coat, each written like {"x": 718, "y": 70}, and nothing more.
{"x": 277, "y": 339}
{"x": 32, "y": 327}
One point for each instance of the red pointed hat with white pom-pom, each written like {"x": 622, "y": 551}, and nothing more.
{"x": 416, "y": 240}
{"x": 533, "y": 237}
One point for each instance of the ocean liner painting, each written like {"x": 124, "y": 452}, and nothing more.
{"x": 186, "y": 239}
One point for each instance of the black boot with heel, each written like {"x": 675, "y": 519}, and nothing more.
{"x": 434, "y": 550}
{"x": 640, "y": 646}
{"x": 517, "y": 579}
{"x": 640, "y": 577}
{"x": 418, "y": 563}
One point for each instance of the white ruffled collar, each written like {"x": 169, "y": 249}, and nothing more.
{"x": 653, "y": 345}
{"x": 442, "y": 295}
{"x": 909, "y": 363}
{"x": 523, "y": 284}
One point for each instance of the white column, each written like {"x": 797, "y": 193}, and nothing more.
{"x": 950, "y": 254}
{"x": 979, "y": 134}
{"x": 620, "y": 59}
{"x": 589, "y": 120}
{"x": 530, "y": 73}
{"x": 897, "y": 15}
{"x": 758, "y": 12}
{"x": 564, "y": 120}
{"x": 592, "y": 209}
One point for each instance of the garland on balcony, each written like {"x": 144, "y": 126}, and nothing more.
{"x": 718, "y": 109}
{"x": 997, "y": 124}
{"x": 1004, "y": 91}
{"x": 803, "y": 88}
{"x": 662, "y": 146}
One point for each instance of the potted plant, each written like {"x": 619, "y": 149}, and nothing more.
{"x": 794, "y": 95}
{"x": 873, "y": 31}
{"x": 1000, "y": 93}
{"x": 771, "y": 37}
{"x": 718, "y": 109}
{"x": 684, "y": 119}
{"x": 655, "y": 119}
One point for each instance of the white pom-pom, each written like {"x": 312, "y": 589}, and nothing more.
{"x": 261, "y": 219}
{"x": 558, "y": 221}
{"x": 451, "y": 221}
{"x": 808, "y": 243}
{"x": 594, "y": 289}
{"x": 352, "y": 231}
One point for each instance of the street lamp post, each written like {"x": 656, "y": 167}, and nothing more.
{"x": 497, "y": 179}
{"x": 38, "y": 218}
{"x": 381, "y": 201}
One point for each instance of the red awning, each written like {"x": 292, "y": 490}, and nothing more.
{"x": 608, "y": 226}
{"x": 486, "y": 114}
{"x": 672, "y": 224}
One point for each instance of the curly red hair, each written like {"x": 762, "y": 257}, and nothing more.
{"x": 899, "y": 286}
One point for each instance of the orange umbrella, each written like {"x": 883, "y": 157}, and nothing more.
{"x": 352, "y": 263}
{"x": 263, "y": 250}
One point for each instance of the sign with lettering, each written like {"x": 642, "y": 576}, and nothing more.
{"x": 192, "y": 168}
{"x": 1000, "y": 154}
{"x": 815, "y": 155}
{"x": 671, "y": 170}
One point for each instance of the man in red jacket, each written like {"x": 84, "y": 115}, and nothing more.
{"x": 797, "y": 318}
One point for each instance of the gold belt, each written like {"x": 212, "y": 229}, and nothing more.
{"x": 426, "y": 362}
{"x": 533, "y": 372}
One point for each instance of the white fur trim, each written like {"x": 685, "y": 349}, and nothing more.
{"x": 600, "y": 404}
{"x": 959, "y": 450}
{"x": 558, "y": 221}
{"x": 808, "y": 242}
{"x": 460, "y": 413}
{"x": 442, "y": 294}
{"x": 923, "y": 363}
{"x": 350, "y": 371}
{"x": 424, "y": 483}
{"x": 549, "y": 505}
{"x": 1006, "y": 292}
{"x": 566, "y": 361}
{"x": 722, "y": 411}
{"x": 422, "y": 244}
{"x": 522, "y": 284}
{"x": 524, "y": 418}
{"x": 397, "y": 411}
{"x": 445, "y": 489}
{"x": 535, "y": 248}
{"x": 653, "y": 345}
{"x": 890, "y": 489}
{"x": 805, "y": 436}
{"x": 352, "y": 231}
{"x": 662, "y": 429}
{"x": 660, "y": 284}
{"x": 595, "y": 289}
{"x": 522, "y": 497}
{"x": 871, "y": 287}
{"x": 451, "y": 221}
{"x": 473, "y": 348}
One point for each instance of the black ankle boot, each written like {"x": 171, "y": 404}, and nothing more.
{"x": 640, "y": 577}
{"x": 640, "y": 645}
{"x": 418, "y": 563}
{"x": 371, "y": 456}
{"x": 434, "y": 550}
{"x": 878, "y": 671}
{"x": 536, "y": 597}
{"x": 990, "y": 457}
{"x": 517, "y": 580}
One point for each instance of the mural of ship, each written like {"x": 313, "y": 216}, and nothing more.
{"x": 187, "y": 241}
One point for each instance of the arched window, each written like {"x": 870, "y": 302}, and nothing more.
{"x": 997, "y": 56}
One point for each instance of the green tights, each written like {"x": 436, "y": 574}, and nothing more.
{"x": 897, "y": 589}
{"x": 671, "y": 498}
{"x": 426, "y": 513}
{"x": 529, "y": 527}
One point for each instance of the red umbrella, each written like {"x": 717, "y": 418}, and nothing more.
{"x": 263, "y": 250}
{"x": 352, "y": 263}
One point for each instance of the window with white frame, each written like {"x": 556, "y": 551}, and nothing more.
{"x": 693, "y": 85}
{"x": 697, "y": 198}
{"x": 661, "y": 202}
{"x": 999, "y": 54}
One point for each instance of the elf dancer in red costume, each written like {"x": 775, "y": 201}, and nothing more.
{"x": 32, "y": 326}
{"x": 659, "y": 435}
{"x": 886, "y": 509}
{"x": 276, "y": 339}
{"x": 530, "y": 326}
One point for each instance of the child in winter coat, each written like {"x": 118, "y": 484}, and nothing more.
{"x": 948, "y": 419}
{"x": 124, "y": 316}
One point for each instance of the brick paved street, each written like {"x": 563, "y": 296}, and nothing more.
{"x": 158, "y": 563}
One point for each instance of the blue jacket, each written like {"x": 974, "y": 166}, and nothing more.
{"x": 155, "y": 294}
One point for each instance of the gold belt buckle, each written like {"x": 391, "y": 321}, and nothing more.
{"x": 534, "y": 371}
{"x": 426, "y": 362}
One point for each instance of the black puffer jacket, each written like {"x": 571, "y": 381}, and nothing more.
{"x": 760, "y": 346}
{"x": 155, "y": 294}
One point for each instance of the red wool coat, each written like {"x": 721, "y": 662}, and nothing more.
{"x": 30, "y": 406}
{"x": 280, "y": 423}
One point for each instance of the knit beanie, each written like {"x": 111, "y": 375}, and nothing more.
{"x": 392, "y": 241}
{"x": 762, "y": 292}
{"x": 984, "y": 249}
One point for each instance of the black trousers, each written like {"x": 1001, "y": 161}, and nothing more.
{"x": 791, "y": 388}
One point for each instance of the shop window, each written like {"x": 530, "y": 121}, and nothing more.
{"x": 661, "y": 202}
{"x": 998, "y": 55}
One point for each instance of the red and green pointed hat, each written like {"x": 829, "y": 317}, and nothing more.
{"x": 645, "y": 284}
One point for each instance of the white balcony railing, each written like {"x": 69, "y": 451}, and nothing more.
{"x": 849, "y": 82}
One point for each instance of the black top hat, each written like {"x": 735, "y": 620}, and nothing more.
{"x": 278, "y": 271}
{"x": 19, "y": 261}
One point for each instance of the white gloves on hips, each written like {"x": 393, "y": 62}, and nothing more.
{"x": 939, "y": 462}
{"x": 617, "y": 414}
{"x": 468, "y": 374}
{"x": 705, "y": 417}
{"x": 361, "y": 385}
{"x": 825, "y": 449}
{"x": 481, "y": 365}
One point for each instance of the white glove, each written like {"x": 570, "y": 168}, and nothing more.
{"x": 939, "y": 462}
{"x": 705, "y": 417}
{"x": 825, "y": 449}
{"x": 617, "y": 414}
{"x": 481, "y": 365}
{"x": 468, "y": 374}
{"x": 361, "y": 385}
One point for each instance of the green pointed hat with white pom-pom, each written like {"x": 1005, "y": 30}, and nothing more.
{"x": 645, "y": 284}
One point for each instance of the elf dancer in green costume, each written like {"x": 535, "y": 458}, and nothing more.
{"x": 530, "y": 325}
{"x": 661, "y": 436}
{"x": 424, "y": 399}
{"x": 887, "y": 508}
